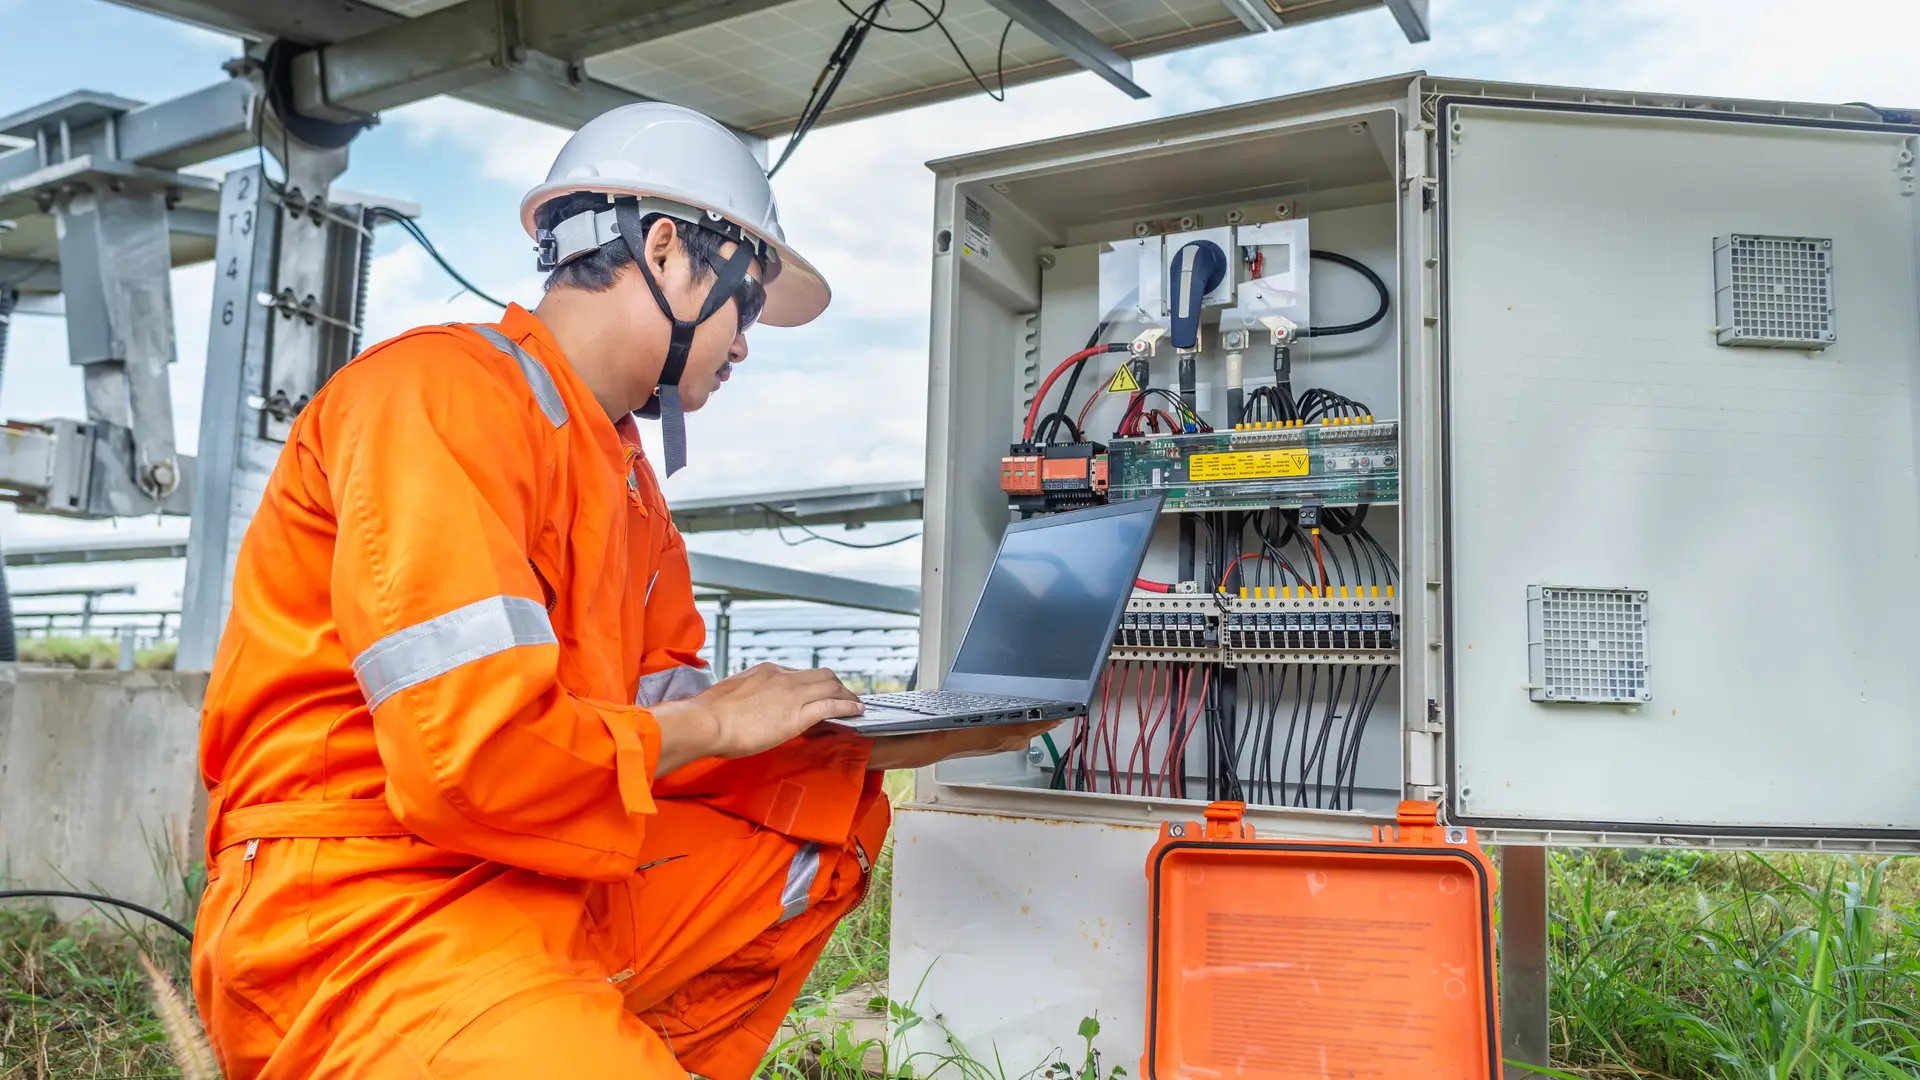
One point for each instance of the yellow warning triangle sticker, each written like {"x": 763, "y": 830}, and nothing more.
{"x": 1123, "y": 381}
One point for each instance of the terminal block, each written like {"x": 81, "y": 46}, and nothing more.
{"x": 1163, "y": 627}
{"x": 1339, "y": 462}
{"x": 1331, "y": 625}
{"x": 1050, "y": 479}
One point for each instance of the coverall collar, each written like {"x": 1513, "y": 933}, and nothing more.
{"x": 533, "y": 335}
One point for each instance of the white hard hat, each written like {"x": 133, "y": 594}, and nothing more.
{"x": 664, "y": 153}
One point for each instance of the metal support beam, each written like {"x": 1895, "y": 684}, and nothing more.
{"x": 1412, "y": 17}
{"x": 471, "y": 48}
{"x": 1255, "y": 15}
{"x": 116, "y": 275}
{"x": 578, "y": 29}
{"x": 848, "y": 505}
{"x": 1523, "y": 960}
{"x": 206, "y": 123}
{"x": 68, "y": 552}
{"x": 745, "y": 580}
{"x": 1057, "y": 29}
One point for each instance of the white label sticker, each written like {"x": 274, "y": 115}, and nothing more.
{"x": 979, "y": 234}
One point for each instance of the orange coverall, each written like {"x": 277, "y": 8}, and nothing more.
{"x": 435, "y": 841}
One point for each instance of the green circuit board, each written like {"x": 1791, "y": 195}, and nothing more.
{"x": 1260, "y": 467}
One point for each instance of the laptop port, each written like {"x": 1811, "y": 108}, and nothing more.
{"x": 1033, "y": 714}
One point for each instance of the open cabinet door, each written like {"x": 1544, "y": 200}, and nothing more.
{"x": 1682, "y": 522}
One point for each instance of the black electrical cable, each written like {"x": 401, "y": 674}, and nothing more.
{"x": 419, "y": 235}
{"x": 1343, "y": 522}
{"x": 788, "y": 519}
{"x": 1393, "y": 570}
{"x": 1360, "y": 733}
{"x": 840, "y": 61}
{"x": 1889, "y": 116}
{"x": 1379, "y": 286}
{"x": 96, "y": 898}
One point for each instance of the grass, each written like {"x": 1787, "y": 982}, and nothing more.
{"x": 94, "y": 654}
{"x": 1668, "y": 964}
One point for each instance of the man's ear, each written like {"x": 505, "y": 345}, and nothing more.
{"x": 660, "y": 241}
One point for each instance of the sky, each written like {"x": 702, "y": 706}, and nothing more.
{"x": 844, "y": 400}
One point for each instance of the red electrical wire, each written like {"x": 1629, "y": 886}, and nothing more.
{"x": 1317, "y": 558}
{"x": 1151, "y": 586}
{"x": 1092, "y": 759}
{"x": 1113, "y": 732}
{"x": 1237, "y": 562}
{"x": 1081, "y": 420}
{"x": 1143, "y": 706}
{"x": 1033, "y": 413}
{"x": 1173, "y": 756}
{"x": 1177, "y": 737}
{"x": 1159, "y": 711}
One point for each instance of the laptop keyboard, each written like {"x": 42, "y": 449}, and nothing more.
{"x": 940, "y": 702}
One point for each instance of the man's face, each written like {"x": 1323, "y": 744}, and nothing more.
{"x": 718, "y": 343}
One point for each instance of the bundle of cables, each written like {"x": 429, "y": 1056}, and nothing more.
{"x": 1168, "y": 700}
{"x": 1145, "y": 414}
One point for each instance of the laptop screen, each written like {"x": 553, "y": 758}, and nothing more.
{"x": 1055, "y": 593}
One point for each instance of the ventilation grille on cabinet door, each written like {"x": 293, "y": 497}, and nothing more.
{"x": 1587, "y": 645}
{"x": 1774, "y": 291}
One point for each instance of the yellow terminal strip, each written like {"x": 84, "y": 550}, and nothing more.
{"x": 1389, "y": 592}
{"x": 1243, "y": 592}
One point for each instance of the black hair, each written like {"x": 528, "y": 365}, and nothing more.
{"x": 595, "y": 271}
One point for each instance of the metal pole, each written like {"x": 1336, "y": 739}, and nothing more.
{"x": 126, "y": 647}
{"x": 86, "y": 615}
{"x": 722, "y": 636}
{"x": 1523, "y": 959}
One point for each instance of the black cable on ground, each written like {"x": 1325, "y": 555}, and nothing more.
{"x": 96, "y": 898}
{"x": 1379, "y": 286}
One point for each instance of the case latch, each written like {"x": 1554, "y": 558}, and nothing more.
{"x": 1225, "y": 821}
{"x": 1412, "y": 813}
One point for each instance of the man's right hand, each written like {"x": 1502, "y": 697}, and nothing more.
{"x": 744, "y": 714}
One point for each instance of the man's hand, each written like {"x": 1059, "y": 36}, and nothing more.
{"x": 744, "y": 714}
{"x": 917, "y": 751}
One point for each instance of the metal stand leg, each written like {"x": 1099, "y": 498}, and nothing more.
{"x": 723, "y": 637}
{"x": 1523, "y": 958}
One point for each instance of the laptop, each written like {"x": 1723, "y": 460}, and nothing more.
{"x": 1040, "y": 630}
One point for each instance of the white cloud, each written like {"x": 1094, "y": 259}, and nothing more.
{"x": 511, "y": 149}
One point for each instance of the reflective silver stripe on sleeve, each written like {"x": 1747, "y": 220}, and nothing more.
{"x": 544, "y": 390}
{"x": 672, "y": 684}
{"x": 800, "y": 875}
{"x": 430, "y": 649}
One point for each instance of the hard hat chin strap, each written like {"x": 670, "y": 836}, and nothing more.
{"x": 665, "y": 403}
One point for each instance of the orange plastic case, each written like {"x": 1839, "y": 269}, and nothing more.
{"x": 1275, "y": 959}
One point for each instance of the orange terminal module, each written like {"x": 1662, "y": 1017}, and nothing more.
{"x": 1282, "y": 959}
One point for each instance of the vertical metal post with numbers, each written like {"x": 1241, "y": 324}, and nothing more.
{"x": 234, "y": 460}
{"x": 290, "y": 271}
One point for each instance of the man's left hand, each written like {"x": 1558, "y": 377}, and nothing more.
{"x": 917, "y": 751}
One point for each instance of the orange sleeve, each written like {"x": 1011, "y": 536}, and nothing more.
{"x": 434, "y": 457}
{"x": 808, "y": 789}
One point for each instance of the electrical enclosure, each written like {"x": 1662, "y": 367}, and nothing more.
{"x": 1573, "y": 424}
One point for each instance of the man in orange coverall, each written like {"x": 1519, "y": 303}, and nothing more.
{"x": 476, "y": 810}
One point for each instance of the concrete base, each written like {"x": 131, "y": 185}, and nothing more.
{"x": 100, "y": 783}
